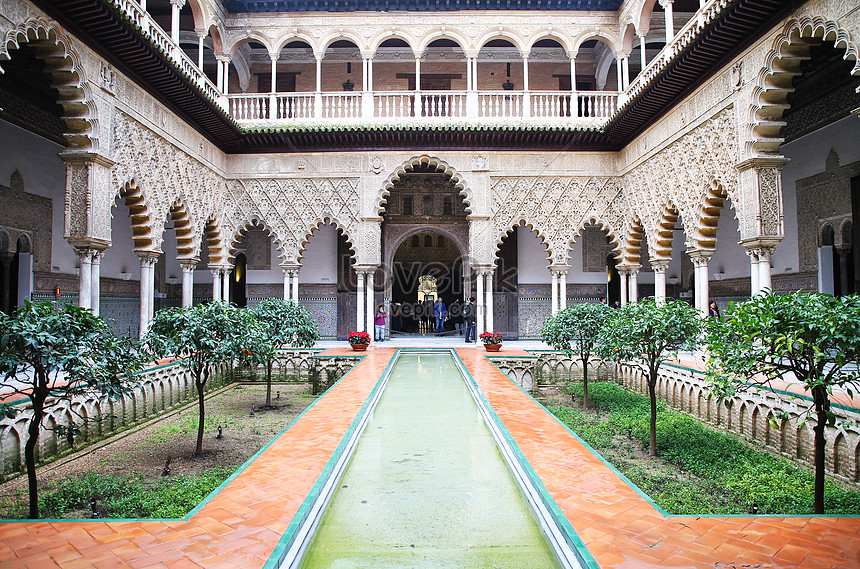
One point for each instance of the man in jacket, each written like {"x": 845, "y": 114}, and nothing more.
{"x": 469, "y": 313}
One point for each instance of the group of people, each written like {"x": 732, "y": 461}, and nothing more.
{"x": 463, "y": 317}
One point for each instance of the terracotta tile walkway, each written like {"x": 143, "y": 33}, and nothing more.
{"x": 241, "y": 525}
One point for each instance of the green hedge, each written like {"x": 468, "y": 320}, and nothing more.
{"x": 728, "y": 476}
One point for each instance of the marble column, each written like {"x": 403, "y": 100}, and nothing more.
{"x": 489, "y": 300}
{"x": 147, "y": 288}
{"x": 701, "y": 292}
{"x": 670, "y": 24}
{"x": 754, "y": 285}
{"x": 417, "y": 103}
{"x": 562, "y": 290}
{"x": 85, "y": 274}
{"x": 479, "y": 321}
{"x": 188, "y": 267}
{"x": 359, "y": 304}
{"x": 642, "y": 55}
{"x": 225, "y": 283}
{"x": 554, "y": 293}
{"x": 371, "y": 299}
{"x": 96, "y": 289}
{"x": 625, "y": 71}
{"x": 287, "y": 285}
{"x": 216, "y": 284}
{"x": 764, "y": 268}
{"x": 660, "y": 280}
{"x": 622, "y": 275}
{"x": 295, "y": 283}
{"x": 201, "y": 35}
{"x": 175, "y": 7}
{"x": 633, "y": 284}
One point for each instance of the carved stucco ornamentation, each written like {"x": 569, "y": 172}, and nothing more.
{"x": 292, "y": 208}
{"x": 77, "y": 181}
{"x": 557, "y": 208}
{"x": 167, "y": 176}
{"x": 770, "y": 201}
{"x": 682, "y": 173}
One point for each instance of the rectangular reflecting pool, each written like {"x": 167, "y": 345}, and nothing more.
{"x": 427, "y": 486}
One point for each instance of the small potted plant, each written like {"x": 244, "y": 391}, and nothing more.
{"x": 358, "y": 340}
{"x": 492, "y": 341}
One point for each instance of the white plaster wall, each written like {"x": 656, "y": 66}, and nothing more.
{"x": 120, "y": 257}
{"x": 168, "y": 247}
{"x": 532, "y": 259}
{"x": 807, "y": 157}
{"x": 319, "y": 261}
{"x": 729, "y": 258}
{"x": 44, "y": 175}
{"x": 575, "y": 274}
{"x": 273, "y": 276}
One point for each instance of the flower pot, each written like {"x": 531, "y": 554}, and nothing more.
{"x": 358, "y": 347}
{"x": 492, "y": 347}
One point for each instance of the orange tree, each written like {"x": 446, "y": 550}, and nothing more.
{"x": 282, "y": 322}
{"x": 574, "y": 330}
{"x": 646, "y": 333}
{"x": 204, "y": 336}
{"x": 49, "y": 354}
{"x": 813, "y": 339}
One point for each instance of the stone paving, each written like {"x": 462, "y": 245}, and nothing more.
{"x": 241, "y": 525}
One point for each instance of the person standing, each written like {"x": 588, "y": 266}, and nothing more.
{"x": 469, "y": 319}
{"x": 714, "y": 310}
{"x": 379, "y": 324}
{"x": 440, "y": 311}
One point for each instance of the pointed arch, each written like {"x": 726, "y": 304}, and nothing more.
{"x": 185, "y": 245}
{"x": 211, "y": 231}
{"x": 423, "y": 160}
{"x": 662, "y": 249}
{"x": 611, "y": 234}
{"x": 68, "y": 78}
{"x": 327, "y": 220}
{"x": 242, "y": 228}
{"x": 632, "y": 249}
{"x": 531, "y": 226}
{"x": 140, "y": 212}
{"x": 709, "y": 211}
{"x": 774, "y": 80}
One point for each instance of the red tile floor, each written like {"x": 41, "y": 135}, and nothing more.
{"x": 241, "y": 525}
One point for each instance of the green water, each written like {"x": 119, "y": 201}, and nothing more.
{"x": 427, "y": 487}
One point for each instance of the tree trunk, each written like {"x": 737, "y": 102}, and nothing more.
{"x": 584, "y": 383}
{"x": 30, "y": 452}
{"x": 822, "y": 406}
{"x": 269, "y": 384}
{"x": 652, "y": 424}
{"x": 200, "y": 407}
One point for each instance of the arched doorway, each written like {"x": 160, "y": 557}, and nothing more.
{"x": 424, "y": 233}
{"x": 425, "y": 266}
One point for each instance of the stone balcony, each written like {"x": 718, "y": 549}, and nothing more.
{"x": 570, "y": 109}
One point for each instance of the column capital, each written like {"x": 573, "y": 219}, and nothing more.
{"x": 85, "y": 255}
{"x": 223, "y": 57}
{"x": 700, "y": 258}
{"x": 762, "y": 162}
{"x": 365, "y": 269}
{"x": 148, "y": 258}
{"x": 288, "y": 267}
{"x": 659, "y": 266}
{"x": 178, "y": 3}
{"x": 188, "y": 265}
{"x": 665, "y": 3}
{"x": 758, "y": 244}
